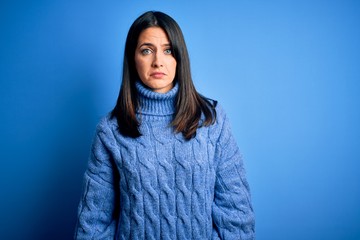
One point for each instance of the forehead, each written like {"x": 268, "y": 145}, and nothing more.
{"x": 153, "y": 34}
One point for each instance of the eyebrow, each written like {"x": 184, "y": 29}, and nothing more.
{"x": 152, "y": 45}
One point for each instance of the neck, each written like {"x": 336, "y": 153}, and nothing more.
{"x": 156, "y": 104}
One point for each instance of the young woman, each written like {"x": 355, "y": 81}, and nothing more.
{"x": 164, "y": 163}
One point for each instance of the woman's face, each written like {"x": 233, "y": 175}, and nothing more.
{"x": 155, "y": 64}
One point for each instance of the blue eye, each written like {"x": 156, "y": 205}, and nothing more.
{"x": 168, "y": 52}
{"x": 146, "y": 51}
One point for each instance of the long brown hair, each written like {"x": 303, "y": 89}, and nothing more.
{"x": 189, "y": 103}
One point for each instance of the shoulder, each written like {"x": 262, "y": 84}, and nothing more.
{"x": 107, "y": 122}
{"x": 106, "y": 136}
{"x": 216, "y": 106}
{"x": 106, "y": 127}
{"x": 220, "y": 114}
{"x": 221, "y": 122}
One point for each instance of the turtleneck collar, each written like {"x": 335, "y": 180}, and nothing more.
{"x": 154, "y": 103}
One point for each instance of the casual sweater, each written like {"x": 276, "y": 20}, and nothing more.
{"x": 161, "y": 186}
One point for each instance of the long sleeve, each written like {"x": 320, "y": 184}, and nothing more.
{"x": 97, "y": 209}
{"x": 232, "y": 212}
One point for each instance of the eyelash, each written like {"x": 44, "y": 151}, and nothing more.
{"x": 168, "y": 51}
{"x": 147, "y": 51}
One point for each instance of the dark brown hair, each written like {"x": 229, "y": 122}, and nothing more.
{"x": 189, "y": 103}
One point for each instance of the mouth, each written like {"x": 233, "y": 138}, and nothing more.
{"x": 157, "y": 74}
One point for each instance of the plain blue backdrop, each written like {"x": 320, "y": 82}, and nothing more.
{"x": 286, "y": 72}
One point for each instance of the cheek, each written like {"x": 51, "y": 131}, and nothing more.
{"x": 174, "y": 67}
{"x": 140, "y": 66}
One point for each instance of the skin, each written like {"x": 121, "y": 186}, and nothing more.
{"x": 155, "y": 64}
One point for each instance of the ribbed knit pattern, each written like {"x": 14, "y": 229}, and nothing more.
{"x": 160, "y": 186}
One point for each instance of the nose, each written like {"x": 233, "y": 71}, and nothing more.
{"x": 157, "y": 60}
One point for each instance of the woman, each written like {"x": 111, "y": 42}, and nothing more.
{"x": 164, "y": 164}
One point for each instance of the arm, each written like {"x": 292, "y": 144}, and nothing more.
{"x": 97, "y": 209}
{"x": 233, "y": 215}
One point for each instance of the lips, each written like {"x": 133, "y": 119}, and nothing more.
{"x": 157, "y": 74}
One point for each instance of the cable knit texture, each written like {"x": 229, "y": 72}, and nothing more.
{"x": 160, "y": 186}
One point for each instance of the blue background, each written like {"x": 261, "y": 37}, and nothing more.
{"x": 286, "y": 72}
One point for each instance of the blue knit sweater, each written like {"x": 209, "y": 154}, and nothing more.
{"x": 160, "y": 186}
